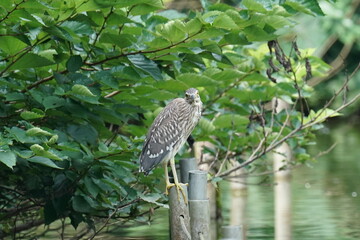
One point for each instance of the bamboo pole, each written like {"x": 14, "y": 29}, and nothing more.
{"x": 199, "y": 205}
{"x": 179, "y": 215}
{"x": 282, "y": 188}
{"x": 212, "y": 193}
{"x": 231, "y": 233}
{"x": 239, "y": 196}
{"x": 187, "y": 165}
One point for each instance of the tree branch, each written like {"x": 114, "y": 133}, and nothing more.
{"x": 12, "y": 10}
{"x": 317, "y": 119}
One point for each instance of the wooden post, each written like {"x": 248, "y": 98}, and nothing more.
{"x": 231, "y": 233}
{"x": 187, "y": 165}
{"x": 179, "y": 215}
{"x": 199, "y": 205}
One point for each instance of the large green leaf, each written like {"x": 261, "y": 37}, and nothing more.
{"x": 230, "y": 120}
{"x": 8, "y": 158}
{"x": 255, "y": 33}
{"x": 146, "y": 65}
{"x": 253, "y": 5}
{"x": 224, "y": 21}
{"x": 44, "y": 161}
{"x": 306, "y": 6}
{"x": 123, "y": 40}
{"x": 80, "y": 204}
{"x": 11, "y": 45}
{"x": 53, "y": 102}
{"x": 195, "y": 80}
{"x": 174, "y": 31}
{"x": 31, "y": 60}
{"x": 74, "y": 63}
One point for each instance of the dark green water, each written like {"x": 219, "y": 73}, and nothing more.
{"x": 326, "y": 197}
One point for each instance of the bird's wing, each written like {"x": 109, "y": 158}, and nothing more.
{"x": 163, "y": 134}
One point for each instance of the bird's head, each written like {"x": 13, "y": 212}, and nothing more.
{"x": 192, "y": 96}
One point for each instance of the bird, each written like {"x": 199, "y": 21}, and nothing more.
{"x": 168, "y": 133}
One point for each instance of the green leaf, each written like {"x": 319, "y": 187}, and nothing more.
{"x": 44, "y": 161}
{"x": 82, "y": 90}
{"x": 161, "y": 95}
{"x": 11, "y": 45}
{"x": 31, "y": 60}
{"x": 254, "y": 6}
{"x": 148, "y": 7}
{"x": 20, "y": 135}
{"x": 230, "y": 120}
{"x": 79, "y": 204}
{"x": 152, "y": 198}
{"x": 40, "y": 151}
{"x": 59, "y": 32}
{"x": 8, "y": 158}
{"x": 147, "y": 65}
{"x": 36, "y": 131}
{"x": 50, "y": 214}
{"x": 321, "y": 115}
{"x": 123, "y": 40}
{"x": 53, "y": 102}
{"x": 195, "y": 80}
{"x": 83, "y": 133}
{"x": 256, "y": 77}
{"x": 224, "y": 21}
{"x": 53, "y": 139}
{"x": 228, "y": 74}
{"x": 171, "y": 85}
{"x": 77, "y": 27}
{"x": 74, "y": 63}
{"x": 193, "y": 26}
{"x": 206, "y": 125}
{"x": 91, "y": 187}
{"x": 255, "y": 33}
{"x": 33, "y": 114}
{"x": 174, "y": 31}
{"x": 305, "y": 6}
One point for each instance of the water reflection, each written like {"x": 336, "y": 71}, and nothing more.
{"x": 325, "y": 197}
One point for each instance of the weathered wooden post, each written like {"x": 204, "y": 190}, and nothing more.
{"x": 199, "y": 205}
{"x": 231, "y": 233}
{"x": 179, "y": 215}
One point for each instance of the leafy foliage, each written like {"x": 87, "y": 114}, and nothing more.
{"x": 81, "y": 81}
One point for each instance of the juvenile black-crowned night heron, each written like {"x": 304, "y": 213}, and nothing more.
{"x": 168, "y": 133}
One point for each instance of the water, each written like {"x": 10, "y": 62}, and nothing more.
{"x": 325, "y": 198}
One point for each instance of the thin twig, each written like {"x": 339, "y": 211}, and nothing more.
{"x": 254, "y": 156}
{"x": 322, "y": 153}
{"x": 226, "y": 155}
{"x": 141, "y": 51}
{"x": 12, "y": 10}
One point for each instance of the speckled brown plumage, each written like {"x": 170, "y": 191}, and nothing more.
{"x": 170, "y": 130}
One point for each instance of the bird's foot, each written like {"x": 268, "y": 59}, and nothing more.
{"x": 179, "y": 189}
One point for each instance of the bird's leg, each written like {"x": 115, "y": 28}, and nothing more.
{"x": 176, "y": 181}
{"x": 168, "y": 184}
